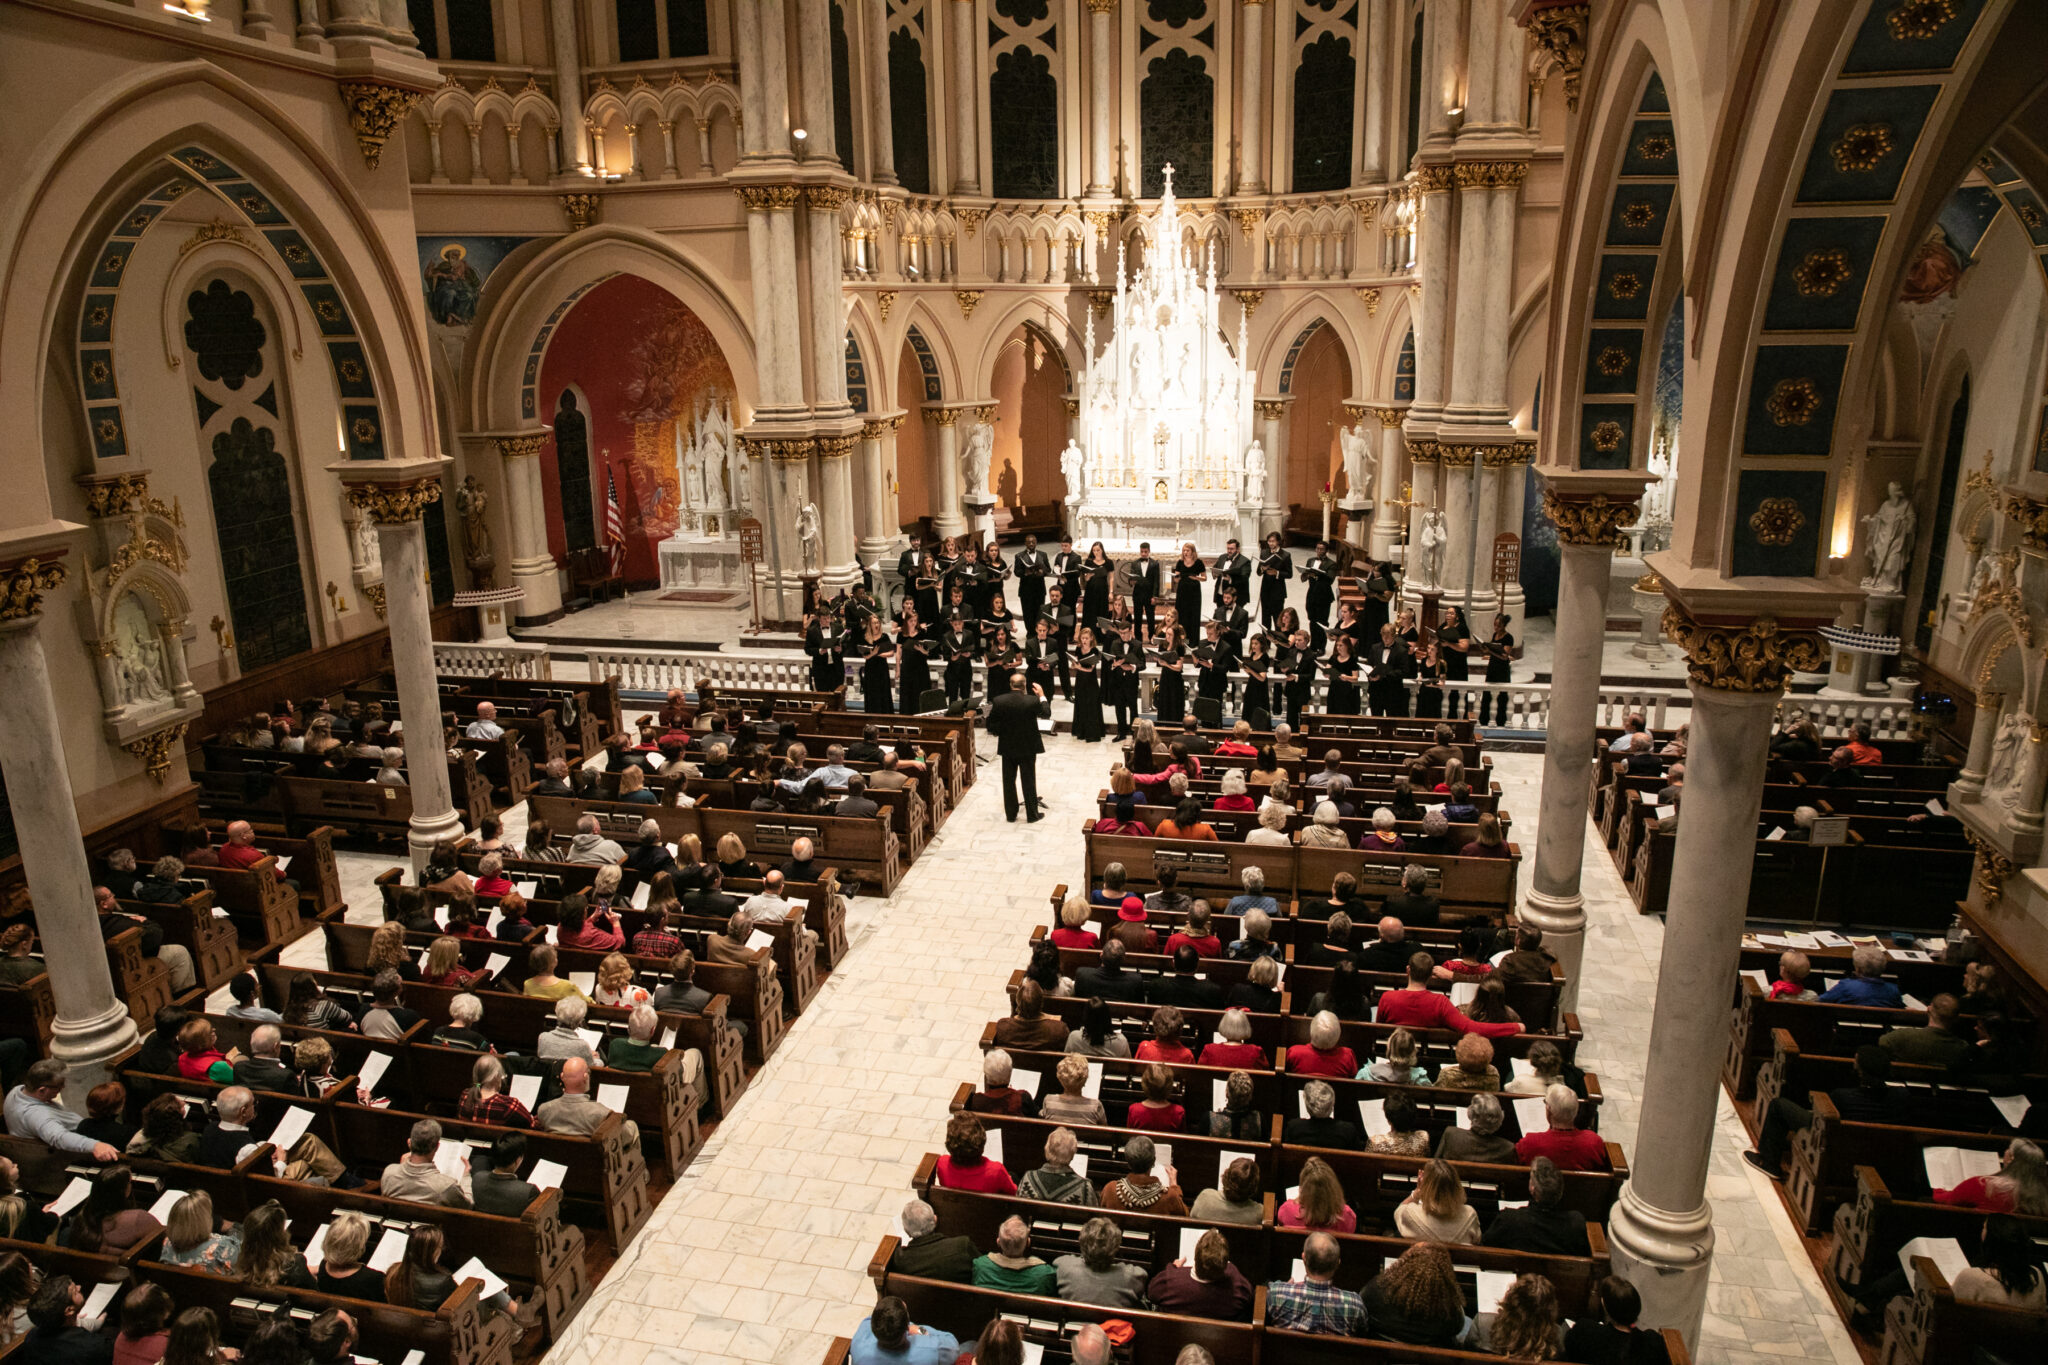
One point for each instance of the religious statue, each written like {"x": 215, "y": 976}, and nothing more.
{"x": 1991, "y": 576}
{"x": 369, "y": 552}
{"x": 2003, "y": 776}
{"x": 808, "y": 536}
{"x": 981, "y": 443}
{"x": 138, "y": 657}
{"x": 1434, "y": 536}
{"x": 471, "y": 502}
{"x": 1891, "y": 541}
{"x": 1358, "y": 461}
{"x": 1074, "y": 469}
{"x": 1254, "y": 475}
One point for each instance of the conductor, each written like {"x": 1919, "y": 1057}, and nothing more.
{"x": 1013, "y": 719}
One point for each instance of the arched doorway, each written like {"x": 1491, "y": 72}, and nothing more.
{"x": 913, "y": 488}
{"x": 642, "y": 398}
{"x": 1029, "y": 382}
{"x": 1319, "y": 381}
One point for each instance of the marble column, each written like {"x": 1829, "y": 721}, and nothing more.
{"x": 945, "y": 473}
{"x": 775, "y": 141}
{"x": 835, "y": 508}
{"x": 532, "y": 567}
{"x": 771, "y": 254}
{"x": 827, "y": 306}
{"x": 1379, "y": 88}
{"x": 569, "y": 83}
{"x": 1251, "y": 177}
{"x": 1554, "y": 903}
{"x": 1101, "y": 169}
{"x": 881, "y": 122}
{"x": 93, "y": 1025}
{"x": 1479, "y": 275}
{"x": 1273, "y": 440}
{"x": 395, "y": 504}
{"x": 1460, "y": 485}
{"x": 1661, "y": 1229}
{"x": 1387, "y": 481}
{"x": 966, "y": 100}
{"x": 1969, "y": 783}
{"x": 1432, "y": 311}
{"x": 878, "y": 529}
{"x": 814, "y": 68}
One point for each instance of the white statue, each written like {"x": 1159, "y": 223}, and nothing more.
{"x": 139, "y": 675}
{"x": 1434, "y": 536}
{"x": 1254, "y": 475}
{"x": 1074, "y": 469}
{"x": 369, "y": 554}
{"x": 2002, "y": 778}
{"x": 1992, "y": 575}
{"x": 808, "y": 536}
{"x": 1358, "y": 461}
{"x": 981, "y": 445}
{"x": 1890, "y": 545}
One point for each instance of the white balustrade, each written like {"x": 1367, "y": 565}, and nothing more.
{"x": 502, "y": 658}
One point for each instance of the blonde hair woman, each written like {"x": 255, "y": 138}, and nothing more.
{"x": 387, "y": 949}
{"x": 1121, "y": 783}
{"x": 1073, "y": 931}
{"x": 190, "y": 1237}
{"x": 1319, "y": 1204}
{"x": 1437, "y": 1211}
{"x": 444, "y": 965}
{"x": 615, "y": 986}
{"x": 1070, "y": 1105}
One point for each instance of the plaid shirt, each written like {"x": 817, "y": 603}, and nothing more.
{"x": 1311, "y": 1307}
{"x": 656, "y": 943}
{"x": 500, "y": 1109}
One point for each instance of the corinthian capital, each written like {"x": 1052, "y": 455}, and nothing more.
{"x": 1756, "y": 655}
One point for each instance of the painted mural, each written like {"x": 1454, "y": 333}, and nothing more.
{"x": 453, "y": 271}
{"x": 642, "y": 369}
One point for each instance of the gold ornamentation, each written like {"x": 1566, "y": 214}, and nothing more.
{"x": 22, "y": 588}
{"x": 1102, "y": 6}
{"x": 945, "y": 417}
{"x": 1638, "y": 214}
{"x": 1099, "y": 300}
{"x": 884, "y": 301}
{"x": 581, "y": 210}
{"x": 2002, "y": 595}
{"x": 1505, "y": 457}
{"x": 794, "y": 450}
{"x": 1606, "y": 436}
{"x": 1560, "y": 32}
{"x": 522, "y": 444}
{"x": 100, "y": 315}
{"x": 1993, "y": 867}
{"x": 1071, "y": 404}
{"x": 1248, "y": 220}
{"x": 394, "y": 504}
{"x": 1101, "y": 219}
{"x": 1598, "y": 520}
{"x": 1776, "y": 521}
{"x": 335, "y": 599}
{"x": 1371, "y": 299}
{"x": 1976, "y": 479}
{"x": 1821, "y": 272}
{"x": 1250, "y": 299}
{"x": 1793, "y": 402}
{"x": 1389, "y": 417}
{"x": 874, "y": 429}
{"x": 1861, "y": 147}
{"x": 2029, "y": 216}
{"x": 224, "y": 638}
{"x": 1916, "y": 21}
{"x": 970, "y": 219}
{"x": 375, "y": 110}
{"x": 2031, "y": 516}
{"x": 1613, "y": 361}
{"x": 155, "y": 749}
{"x": 1434, "y": 179}
{"x": 363, "y": 430}
{"x": 1754, "y": 656}
{"x": 1424, "y": 451}
{"x": 219, "y": 230}
{"x": 1624, "y": 284}
{"x": 825, "y": 198}
{"x": 141, "y": 545}
{"x": 1271, "y": 409}
{"x": 967, "y": 299}
{"x": 112, "y": 497}
{"x": 1490, "y": 175}
{"x": 1656, "y": 147}
{"x": 835, "y": 447}
{"x": 107, "y": 429}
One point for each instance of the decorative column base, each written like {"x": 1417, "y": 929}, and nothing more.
{"x": 1562, "y": 920}
{"x": 88, "y": 1045}
{"x": 1666, "y": 1256}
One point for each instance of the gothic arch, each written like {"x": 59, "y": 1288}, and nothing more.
{"x": 532, "y": 289}
{"x": 862, "y": 332}
{"x": 1052, "y": 327}
{"x": 1292, "y": 330}
{"x": 924, "y": 333}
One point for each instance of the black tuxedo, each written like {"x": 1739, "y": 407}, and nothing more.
{"x": 1031, "y": 568}
{"x": 1125, "y": 985}
{"x": 1175, "y": 989}
{"x": 1067, "y": 565}
{"x": 1234, "y": 568}
{"x": 1013, "y": 719}
{"x": 1144, "y": 588}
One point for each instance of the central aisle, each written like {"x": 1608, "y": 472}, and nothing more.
{"x": 759, "y": 1254}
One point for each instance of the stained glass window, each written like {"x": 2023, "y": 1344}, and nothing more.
{"x": 1176, "y": 120}
{"x": 1322, "y": 115}
{"x": 1024, "y": 126}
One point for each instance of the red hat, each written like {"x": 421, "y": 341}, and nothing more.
{"x": 1131, "y": 909}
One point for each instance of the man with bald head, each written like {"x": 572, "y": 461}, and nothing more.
{"x": 239, "y": 850}
{"x": 1391, "y": 951}
{"x": 577, "y": 1111}
{"x": 802, "y": 865}
{"x": 485, "y": 726}
{"x": 1092, "y": 1346}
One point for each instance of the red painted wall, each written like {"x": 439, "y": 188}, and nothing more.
{"x": 642, "y": 361}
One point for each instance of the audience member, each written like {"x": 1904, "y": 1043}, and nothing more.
{"x": 1315, "y": 1303}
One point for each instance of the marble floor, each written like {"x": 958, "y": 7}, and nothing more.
{"x": 757, "y": 1255}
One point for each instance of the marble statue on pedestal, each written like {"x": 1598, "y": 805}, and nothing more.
{"x": 1074, "y": 470}
{"x": 1359, "y": 465}
{"x": 139, "y": 673}
{"x": 1890, "y": 546}
{"x": 471, "y": 503}
{"x": 809, "y": 537}
{"x": 1254, "y": 476}
{"x": 1435, "y": 534}
{"x": 981, "y": 444}
{"x": 2002, "y": 778}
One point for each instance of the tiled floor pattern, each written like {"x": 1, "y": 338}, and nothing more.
{"x": 757, "y": 1255}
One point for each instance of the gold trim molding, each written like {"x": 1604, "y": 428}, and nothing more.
{"x": 1756, "y": 656}
{"x": 1490, "y": 175}
{"x": 394, "y": 504}
{"x": 375, "y": 109}
{"x": 1992, "y": 866}
{"x": 581, "y": 210}
{"x": 22, "y": 587}
{"x": 1434, "y": 179}
{"x": 518, "y": 446}
{"x": 968, "y": 299}
{"x": 115, "y": 496}
{"x": 836, "y": 447}
{"x": 155, "y": 749}
{"x": 1250, "y": 299}
{"x": 1597, "y": 520}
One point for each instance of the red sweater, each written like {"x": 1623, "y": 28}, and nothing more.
{"x": 1304, "y": 1060}
{"x": 244, "y": 856}
{"x": 1233, "y": 803}
{"x": 1074, "y": 938}
{"x": 1432, "y": 1009}
{"x": 1152, "y": 1050}
{"x": 1236, "y": 1056}
{"x": 1208, "y": 946}
{"x": 1579, "y": 1150}
{"x": 1167, "y": 1119}
{"x": 979, "y": 1173}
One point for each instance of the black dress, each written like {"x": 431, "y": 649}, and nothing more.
{"x": 1088, "y": 696}
{"x": 1342, "y": 698}
{"x": 1257, "y": 695}
{"x": 1187, "y": 593}
{"x": 1499, "y": 669}
{"x": 1275, "y": 568}
{"x": 913, "y": 674}
{"x": 1170, "y": 694}
{"x": 1095, "y": 592}
{"x": 1429, "y": 691}
{"x": 875, "y": 682}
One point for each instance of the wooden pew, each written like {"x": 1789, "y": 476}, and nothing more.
{"x": 309, "y": 861}
{"x": 1232, "y": 825}
{"x": 1812, "y": 1025}
{"x": 1795, "y": 1072}
{"x": 1826, "y": 1155}
{"x": 1872, "y": 1227}
{"x": 1935, "y": 1326}
{"x": 191, "y": 923}
{"x": 954, "y": 733}
{"x": 1375, "y": 1183}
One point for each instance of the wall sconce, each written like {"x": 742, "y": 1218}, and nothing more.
{"x": 335, "y": 599}
{"x": 802, "y": 138}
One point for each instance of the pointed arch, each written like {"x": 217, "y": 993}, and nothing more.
{"x": 1040, "y": 316}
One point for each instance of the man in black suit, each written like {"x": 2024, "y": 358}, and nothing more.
{"x": 1066, "y": 566}
{"x": 1322, "y": 1128}
{"x": 1110, "y": 980}
{"x": 1182, "y": 987}
{"x": 1543, "y": 1227}
{"x": 926, "y": 1254}
{"x": 1013, "y": 719}
{"x": 1390, "y": 951}
{"x": 500, "y": 1190}
{"x": 1412, "y": 904}
{"x": 1031, "y": 568}
{"x": 1870, "y": 1100}
{"x": 1144, "y": 586}
{"x": 263, "y": 1068}
{"x": 1233, "y": 568}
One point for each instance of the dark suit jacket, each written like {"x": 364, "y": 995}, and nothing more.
{"x": 1187, "y": 992}
{"x": 936, "y": 1257}
{"x": 1423, "y": 911}
{"x": 1126, "y": 985}
{"x": 1013, "y": 719}
{"x": 505, "y": 1196}
{"x": 217, "y": 1146}
{"x": 1323, "y": 1133}
{"x": 1547, "y": 1231}
{"x": 265, "y": 1073}
{"x": 1380, "y": 956}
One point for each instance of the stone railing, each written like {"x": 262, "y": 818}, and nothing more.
{"x": 654, "y": 670}
{"x": 502, "y": 658}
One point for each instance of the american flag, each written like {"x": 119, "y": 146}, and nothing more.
{"x": 614, "y": 522}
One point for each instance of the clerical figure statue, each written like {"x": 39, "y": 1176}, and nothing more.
{"x": 1434, "y": 536}
{"x": 1890, "y": 545}
{"x": 1254, "y": 476}
{"x": 1074, "y": 470}
{"x": 981, "y": 444}
{"x": 1358, "y": 461}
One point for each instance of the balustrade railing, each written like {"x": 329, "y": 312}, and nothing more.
{"x": 501, "y": 658}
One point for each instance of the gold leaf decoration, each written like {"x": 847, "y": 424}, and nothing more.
{"x": 1606, "y": 436}
{"x": 1613, "y": 361}
{"x": 1639, "y": 214}
{"x": 1624, "y": 284}
{"x": 1598, "y": 520}
{"x": 1861, "y": 147}
{"x": 1793, "y": 402}
{"x": 1754, "y": 656}
{"x": 1776, "y": 521}
{"x": 1916, "y": 21}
